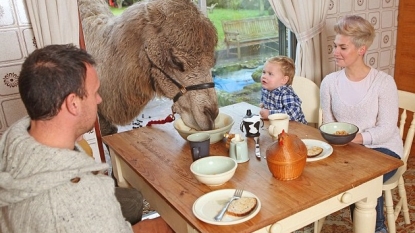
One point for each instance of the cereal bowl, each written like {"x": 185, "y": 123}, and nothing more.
{"x": 338, "y": 133}
{"x": 214, "y": 170}
{"x": 223, "y": 124}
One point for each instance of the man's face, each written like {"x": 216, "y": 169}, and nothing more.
{"x": 91, "y": 100}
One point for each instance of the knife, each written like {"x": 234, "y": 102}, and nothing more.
{"x": 257, "y": 150}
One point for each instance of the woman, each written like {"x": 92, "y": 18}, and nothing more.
{"x": 362, "y": 95}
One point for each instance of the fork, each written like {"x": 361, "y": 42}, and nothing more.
{"x": 236, "y": 195}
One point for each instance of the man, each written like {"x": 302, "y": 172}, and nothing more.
{"x": 47, "y": 184}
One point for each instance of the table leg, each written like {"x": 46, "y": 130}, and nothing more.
{"x": 365, "y": 215}
{"x": 117, "y": 171}
{"x": 157, "y": 201}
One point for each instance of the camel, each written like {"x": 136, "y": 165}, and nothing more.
{"x": 154, "y": 48}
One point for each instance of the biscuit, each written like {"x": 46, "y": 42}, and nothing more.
{"x": 313, "y": 151}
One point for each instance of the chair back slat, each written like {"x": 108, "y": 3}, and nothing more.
{"x": 402, "y": 122}
{"x": 409, "y": 139}
{"x": 407, "y": 104}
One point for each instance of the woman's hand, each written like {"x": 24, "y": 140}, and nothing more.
{"x": 358, "y": 139}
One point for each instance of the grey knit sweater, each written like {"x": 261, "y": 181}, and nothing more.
{"x": 45, "y": 189}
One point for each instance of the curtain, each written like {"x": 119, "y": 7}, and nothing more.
{"x": 54, "y": 21}
{"x": 57, "y": 22}
{"x": 306, "y": 19}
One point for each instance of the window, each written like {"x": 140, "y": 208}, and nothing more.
{"x": 240, "y": 57}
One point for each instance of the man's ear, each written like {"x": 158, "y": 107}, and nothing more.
{"x": 72, "y": 104}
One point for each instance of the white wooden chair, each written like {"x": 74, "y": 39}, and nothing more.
{"x": 309, "y": 94}
{"x": 407, "y": 104}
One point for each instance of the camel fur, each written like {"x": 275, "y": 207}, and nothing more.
{"x": 136, "y": 50}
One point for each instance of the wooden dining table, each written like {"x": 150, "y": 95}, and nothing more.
{"x": 156, "y": 160}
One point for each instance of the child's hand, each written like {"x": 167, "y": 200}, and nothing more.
{"x": 264, "y": 113}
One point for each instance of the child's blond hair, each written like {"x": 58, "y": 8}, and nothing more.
{"x": 287, "y": 66}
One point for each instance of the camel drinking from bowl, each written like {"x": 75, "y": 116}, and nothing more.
{"x": 154, "y": 48}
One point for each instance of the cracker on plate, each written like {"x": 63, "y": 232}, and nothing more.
{"x": 313, "y": 151}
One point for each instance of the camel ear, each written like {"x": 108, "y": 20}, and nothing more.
{"x": 153, "y": 47}
{"x": 154, "y": 15}
{"x": 157, "y": 51}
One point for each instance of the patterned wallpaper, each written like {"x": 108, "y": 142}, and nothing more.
{"x": 383, "y": 14}
{"x": 17, "y": 41}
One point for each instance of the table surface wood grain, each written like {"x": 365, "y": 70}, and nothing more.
{"x": 162, "y": 158}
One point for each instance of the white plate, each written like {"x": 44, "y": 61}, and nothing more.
{"x": 208, "y": 206}
{"x": 327, "y": 149}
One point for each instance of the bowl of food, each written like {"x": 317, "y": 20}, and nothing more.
{"x": 223, "y": 124}
{"x": 338, "y": 133}
{"x": 214, "y": 170}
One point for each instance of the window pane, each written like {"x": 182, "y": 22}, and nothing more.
{"x": 248, "y": 34}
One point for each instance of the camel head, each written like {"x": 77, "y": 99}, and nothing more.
{"x": 180, "y": 46}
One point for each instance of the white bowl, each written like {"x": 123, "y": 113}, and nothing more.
{"x": 214, "y": 170}
{"x": 223, "y": 124}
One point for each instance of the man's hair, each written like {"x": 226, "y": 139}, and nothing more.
{"x": 49, "y": 75}
{"x": 359, "y": 29}
{"x": 287, "y": 66}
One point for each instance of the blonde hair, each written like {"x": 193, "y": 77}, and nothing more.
{"x": 359, "y": 29}
{"x": 287, "y": 66}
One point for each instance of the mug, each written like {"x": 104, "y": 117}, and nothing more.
{"x": 277, "y": 123}
{"x": 238, "y": 149}
{"x": 199, "y": 145}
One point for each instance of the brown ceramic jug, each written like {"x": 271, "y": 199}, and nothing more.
{"x": 286, "y": 157}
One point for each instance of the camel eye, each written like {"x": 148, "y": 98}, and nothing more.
{"x": 176, "y": 62}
